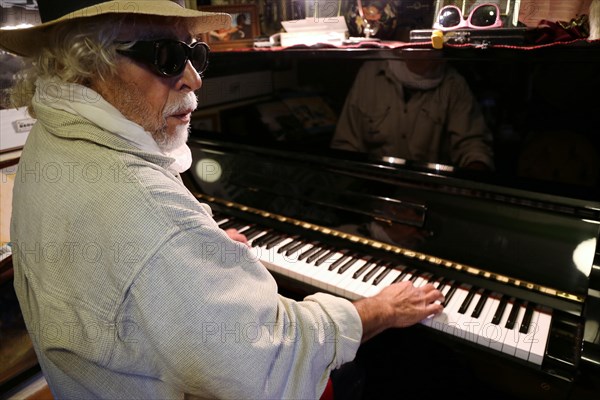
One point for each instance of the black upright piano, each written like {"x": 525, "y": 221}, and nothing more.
{"x": 520, "y": 270}
{"x": 516, "y": 255}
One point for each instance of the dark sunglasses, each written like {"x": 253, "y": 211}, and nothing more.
{"x": 168, "y": 57}
{"x": 483, "y": 16}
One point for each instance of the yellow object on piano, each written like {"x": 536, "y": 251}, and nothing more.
{"x": 437, "y": 39}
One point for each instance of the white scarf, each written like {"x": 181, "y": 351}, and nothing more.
{"x": 411, "y": 80}
{"x": 89, "y": 104}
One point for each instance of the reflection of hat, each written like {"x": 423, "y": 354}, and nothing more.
{"x": 25, "y": 42}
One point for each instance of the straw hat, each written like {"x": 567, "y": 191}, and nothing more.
{"x": 25, "y": 42}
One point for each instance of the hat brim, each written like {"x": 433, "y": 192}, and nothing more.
{"x": 26, "y": 42}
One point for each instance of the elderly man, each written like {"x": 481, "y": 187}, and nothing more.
{"x": 128, "y": 287}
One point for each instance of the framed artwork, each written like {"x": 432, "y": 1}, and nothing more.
{"x": 244, "y": 27}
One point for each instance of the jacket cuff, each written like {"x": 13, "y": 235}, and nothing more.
{"x": 348, "y": 333}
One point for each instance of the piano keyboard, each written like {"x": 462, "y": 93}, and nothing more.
{"x": 515, "y": 327}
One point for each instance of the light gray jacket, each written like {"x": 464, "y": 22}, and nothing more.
{"x": 129, "y": 289}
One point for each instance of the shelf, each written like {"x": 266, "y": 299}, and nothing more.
{"x": 566, "y": 51}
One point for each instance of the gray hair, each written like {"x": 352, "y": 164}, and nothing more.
{"x": 73, "y": 52}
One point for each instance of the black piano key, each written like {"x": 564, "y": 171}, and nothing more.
{"x": 527, "y": 318}
{"x": 308, "y": 252}
{"x": 428, "y": 277}
{"x": 450, "y": 293}
{"x": 467, "y": 301}
{"x": 372, "y": 272}
{"x": 441, "y": 284}
{"x": 230, "y": 224}
{"x": 253, "y": 232}
{"x": 480, "y": 304}
{"x": 402, "y": 275}
{"x": 382, "y": 274}
{"x": 324, "y": 258}
{"x": 292, "y": 243}
{"x": 415, "y": 275}
{"x": 346, "y": 265}
{"x": 339, "y": 261}
{"x": 274, "y": 241}
{"x": 363, "y": 269}
{"x": 512, "y": 317}
{"x": 264, "y": 238}
{"x": 292, "y": 249}
{"x": 318, "y": 254}
{"x": 500, "y": 310}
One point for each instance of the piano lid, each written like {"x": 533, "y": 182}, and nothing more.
{"x": 523, "y": 234}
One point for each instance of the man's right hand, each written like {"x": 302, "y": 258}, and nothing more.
{"x": 398, "y": 306}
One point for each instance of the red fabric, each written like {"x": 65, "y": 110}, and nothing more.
{"x": 328, "y": 393}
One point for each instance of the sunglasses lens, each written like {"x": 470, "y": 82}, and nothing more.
{"x": 449, "y": 17}
{"x": 484, "y": 16}
{"x": 199, "y": 57}
{"x": 171, "y": 58}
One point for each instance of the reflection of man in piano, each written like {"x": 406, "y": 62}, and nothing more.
{"x": 145, "y": 296}
{"x": 417, "y": 109}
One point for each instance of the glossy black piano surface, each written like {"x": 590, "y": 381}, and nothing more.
{"x": 531, "y": 248}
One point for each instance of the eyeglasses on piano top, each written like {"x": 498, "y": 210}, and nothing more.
{"x": 482, "y": 16}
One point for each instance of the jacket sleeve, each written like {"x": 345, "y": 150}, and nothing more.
{"x": 208, "y": 319}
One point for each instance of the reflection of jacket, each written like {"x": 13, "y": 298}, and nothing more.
{"x": 442, "y": 125}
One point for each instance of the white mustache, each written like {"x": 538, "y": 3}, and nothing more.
{"x": 189, "y": 102}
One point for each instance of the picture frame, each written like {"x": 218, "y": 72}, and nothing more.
{"x": 245, "y": 27}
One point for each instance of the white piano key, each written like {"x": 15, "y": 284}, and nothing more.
{"x": 453, "y": 316}
{"x": 467, "y": 324}
{"x": 338, "y": 282}
{"x": 272, "y": 257}
{"x": 354, "y": 287}
{"x": 446, "y": 320}
{"x": 539, "y": 335}
{"x": 348, "y": 283}
{"x": 244, "y": 228}
{"x": 323, "y": 277}
{"x": 221, "y": 220}
{"x": 490, "y": 332}
{"x": 524, "y": 339}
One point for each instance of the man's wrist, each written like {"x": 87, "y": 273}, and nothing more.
{"x": 374, "y": 315}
